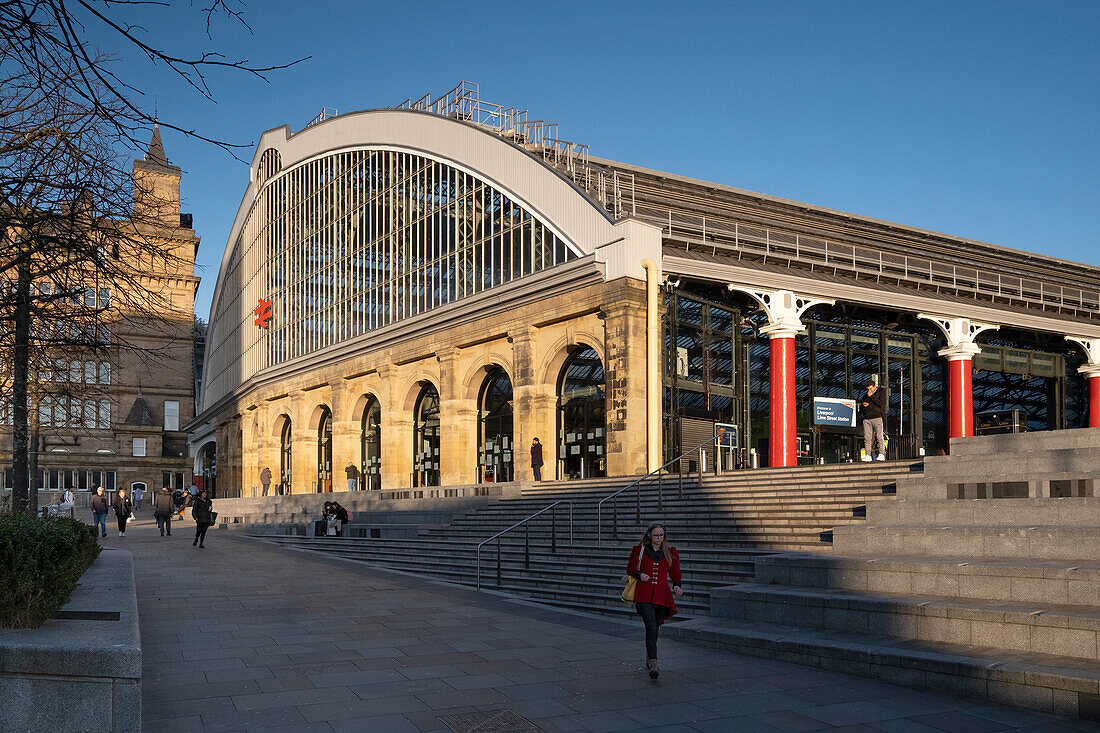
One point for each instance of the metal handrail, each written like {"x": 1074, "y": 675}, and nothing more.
{"x": 527, "y": 537}
{"x": 660, "y": 495}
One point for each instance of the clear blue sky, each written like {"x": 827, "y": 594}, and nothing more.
{"x": 977, "y": 119}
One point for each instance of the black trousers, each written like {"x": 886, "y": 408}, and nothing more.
{"x": 164, "y": 523}
{"x": 121, "y": 523}
{"x": 200, "y": 531}
{"x": 538, "y": 472}
{"x": 652, "y": 616}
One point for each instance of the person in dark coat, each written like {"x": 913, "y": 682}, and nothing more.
{"x": 200, "y": 510}
{"x": 99, "y": 506}
{"x": 163, "y": 508}
{"x": 536, "y": 458}
{"x": 874, "y": 410}
{"x": 124, "y": 509}
{"x": 652, "y": 563}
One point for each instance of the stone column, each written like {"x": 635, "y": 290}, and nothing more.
{"x": 784, "y": 310}
{"x": 1091, "y": 370}
{"x": 345, "y": 436}
{"x": 534, "y": 407}
{"x": 959, "y": 352}
{"x": 625, "y": 349}
{"x": 397, "y": 432}
{"x": 457, "y": 425}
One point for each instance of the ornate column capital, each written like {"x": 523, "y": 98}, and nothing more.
{"x": 1091, "y": 346}
{"x": 783, "y": 308}
{"x": 960, "y": 333}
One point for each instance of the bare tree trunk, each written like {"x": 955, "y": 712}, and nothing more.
{"x": 21, "y": 487}
{"x": 34, "y": 475}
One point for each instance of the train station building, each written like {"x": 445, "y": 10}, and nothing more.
{"x": 419, "y": 291}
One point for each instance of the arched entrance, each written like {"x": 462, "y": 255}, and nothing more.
{"x": 494, "y": 427}
{"x": 370, "y": 446}
{"x": 582, "y": 406}
{"x": 285, "y": 458}
{"x": 208, "y": 463}
{"x": 426, "y": 438}
{"x": 324, "y": 452}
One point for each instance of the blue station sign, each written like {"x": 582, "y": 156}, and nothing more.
{"x": 834, "y": 412}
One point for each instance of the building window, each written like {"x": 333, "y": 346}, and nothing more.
{"x": 581, "y": 415}
{"x": 172, "y": 416}
{"x": 104, "y": 298}
{"x": 139, "y": 446}
{"x": 105, "y": 373}
{"x": 370, "y": 446}
{"x": 104, "y": 414}
{"x": 495, "y": 427}
{"x": 285, "y": 458}
{"x": 324, "y": 453}
{"x": 426, "y": 440}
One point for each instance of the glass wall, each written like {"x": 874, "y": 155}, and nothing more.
{"x": 354, "y": 241}
{"x": 370, "y": 446}
{"x": 285, "y": 458}
{"x": 582, "y": 406}
{"x": 426, "y": 438}
{"x": 324, "y": 453}
{"x": 495, "y": 449}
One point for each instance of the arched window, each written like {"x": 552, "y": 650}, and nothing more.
{"x": 581, "y": 415}
{"x": 285, "y": 456}
{"x": 426, "y": 438}
{"x": 209, "y": 461}
{"x": 324, "y": 452}
{"x": 370, "y": 446}
{"x": 495, "y": 448}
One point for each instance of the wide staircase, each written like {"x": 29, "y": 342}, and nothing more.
{"x": 720, "y": 525}
{"x": 981, "y": 577}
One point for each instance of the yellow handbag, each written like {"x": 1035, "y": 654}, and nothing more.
{"x": 630, "y": 583}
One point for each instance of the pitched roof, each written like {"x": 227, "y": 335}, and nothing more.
{"x": 140, "y": 414}
{"x": 156, "y": 149}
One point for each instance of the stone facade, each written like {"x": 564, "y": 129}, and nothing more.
{"x": 152, "y": 369}
{"x": 531, "y": 343}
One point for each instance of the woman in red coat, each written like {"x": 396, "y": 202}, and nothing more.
{"x": 653, "y": 562}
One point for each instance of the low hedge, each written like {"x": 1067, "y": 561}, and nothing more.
{"x": 41, "y": 559}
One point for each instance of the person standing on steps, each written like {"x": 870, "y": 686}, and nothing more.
{"x": 874, "y": 410}
{"x": 536, "y": 458}
{"x": 200, "y": 510}
{"x": 652, "y": 563}
{"x": 163, "y": 508}
{"x": 99, "y": 511}
{"x": 265, "y": 479}
{"x": 353, "y": 475}
{"x": 124, "y": 509}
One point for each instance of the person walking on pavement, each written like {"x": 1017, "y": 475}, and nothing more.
{"x": 68, "y": 503}
{"x": 200, "y": 510}
{"x": 99, "y": 511}
{"x": 139, "y": 494}
{"x": 163, "y": 507}
{"x": 352, "y": 474}
{"x": 265, "y": 479}
{"x": 124, "y": 509}
{"x": 536, "y": 458}
{"x": 874, "y": 410}
{"x": 652, "y": 563}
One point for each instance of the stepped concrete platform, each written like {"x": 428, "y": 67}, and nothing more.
{"x": 982, "y": 577}
{"x": 297, "y": 641}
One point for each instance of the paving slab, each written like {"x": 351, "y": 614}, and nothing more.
{"x": 247, "y": 636}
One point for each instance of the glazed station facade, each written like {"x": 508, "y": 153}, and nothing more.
{"x": 420, "y": 291}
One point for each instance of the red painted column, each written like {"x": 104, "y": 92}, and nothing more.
{"x": 1094, "y": 400}
{"x": 960, "y": 409}
{"x": 781, "y": 405}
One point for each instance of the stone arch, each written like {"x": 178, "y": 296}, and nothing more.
{"x": 559, "y": 352}
{"x": 355, "y": 415}
{"x": 475, "y": 375}
{"x": 319, "y": 410}
{"x": 413, "y": 389}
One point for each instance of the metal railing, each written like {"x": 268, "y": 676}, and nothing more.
{"x": 637, "y": 486}
{"x": 717, "y": 233}
{"x": 525, "y": 523}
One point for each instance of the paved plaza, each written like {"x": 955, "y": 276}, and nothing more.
{"x": 245, "y": 636}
